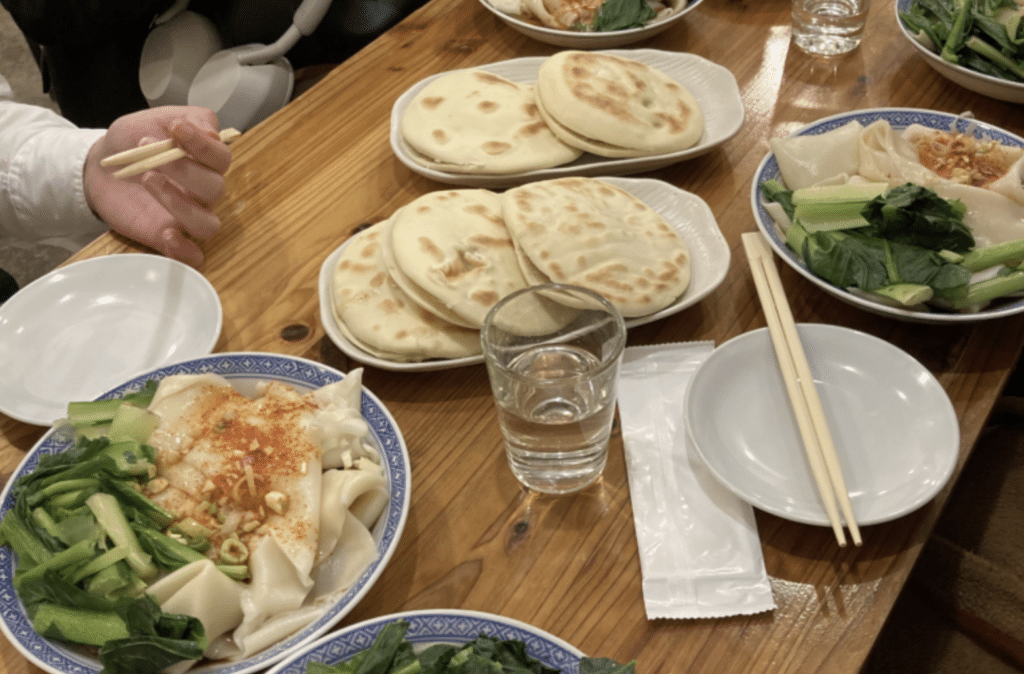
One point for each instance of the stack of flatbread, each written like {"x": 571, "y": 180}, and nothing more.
{"x": 418, "y": 285}
{"x": 476, "y": 122}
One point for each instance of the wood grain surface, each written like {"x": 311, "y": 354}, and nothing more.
{"x": 309, "y": 176}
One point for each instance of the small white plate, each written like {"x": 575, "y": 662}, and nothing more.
{"x": 81, "y": 329}
{"x": 713, "y": 86}
{"x": 894, "y": 428}
{"x": 439, "y": 626}
{"x": 899, "y": 119}
{"x": 574, "y": 39}
{"x": 685, "y": 211}
{"x": 972, "y": 80}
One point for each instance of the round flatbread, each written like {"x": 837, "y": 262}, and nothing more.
{"x": 616, "y": 107}
{"x": 472, "y": 121}
{"x": 589, "y": 233}
{"x": 451, "y": 252}
{"x": 373, "y": 312}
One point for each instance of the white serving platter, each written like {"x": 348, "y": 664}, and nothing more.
{"x": 895, "y": 430}
{"x": 244, "y": 370}
{"x": 714, "y": 87}
{"x": 83, "y": 328}
{"x": 574, "y": 39}
{"x": 899, "y": 119}
{"x": 440, "y": 626}
{"x": 972, "y": 80}
{"x": 685, "y": 211}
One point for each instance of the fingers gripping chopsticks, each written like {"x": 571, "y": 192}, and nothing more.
{"x": 153, "y": 155}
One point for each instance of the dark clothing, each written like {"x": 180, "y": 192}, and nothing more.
{"x": 89, "y": 50}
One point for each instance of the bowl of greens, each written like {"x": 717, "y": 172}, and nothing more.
{"x": 69, "y": 568}
{"x": 977, "y": 45}
{"x": 590, "y": 24}
{"x": 444, "y": 641}
{"x": 842, "y": 239}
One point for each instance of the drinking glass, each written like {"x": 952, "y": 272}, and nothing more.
{"x": 829, "y": 27}
{"x": 553, "y": 354}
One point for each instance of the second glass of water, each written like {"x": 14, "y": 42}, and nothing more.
{"x": 829, "y": 27}
{"x": 553, "y": 354}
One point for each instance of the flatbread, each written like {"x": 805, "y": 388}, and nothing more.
{"x": 451, "y": 252}
{"x": 589, "y": 233}
{"x": 472, "y": 121}
{"x": 376, "y": 315}
{"x": 616, "y": 107}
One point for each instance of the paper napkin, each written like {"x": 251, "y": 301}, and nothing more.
{"x": 700, "y": 554}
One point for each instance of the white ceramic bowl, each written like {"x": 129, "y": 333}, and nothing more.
{"x": 244, "y": 371}
{"x": 438, "y": 626}
{"x": 572, "y": 39}
{"x": 986, "y": 85}
{"x": 85, "y": 327}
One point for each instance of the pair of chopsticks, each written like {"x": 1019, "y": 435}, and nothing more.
{"x": 145, "y": 157}
{"x": 810, "y": 417}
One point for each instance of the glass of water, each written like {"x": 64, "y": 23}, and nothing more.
{"x": 829, "y": 27}
{"x": 553, "y": 354}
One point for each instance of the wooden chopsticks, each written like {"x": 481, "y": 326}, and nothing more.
{"x": 152, "y": 155}
{"x": 803, "y": 396}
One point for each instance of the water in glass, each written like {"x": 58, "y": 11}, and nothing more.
{"x": 828, "y": 27}
{"x": 556, "y": 423}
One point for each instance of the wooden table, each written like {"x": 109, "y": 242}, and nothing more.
{"x": 306, "y": 178}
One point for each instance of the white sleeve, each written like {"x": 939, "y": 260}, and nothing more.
{"x": 42, "y": 156}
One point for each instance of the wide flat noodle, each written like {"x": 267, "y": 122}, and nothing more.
{"x": 589, "y": 233}
{"x": 473, "y": 121}
{"x": 451, "y": 252}
{"x": 379, "y": 317}
{"x": 615, "y": 102}
{"x": 808, "y": 160}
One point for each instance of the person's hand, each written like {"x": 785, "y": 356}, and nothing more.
{"x": 164, "y": 208}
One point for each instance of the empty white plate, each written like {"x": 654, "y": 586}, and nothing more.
{"x": 84, "y": 328}
{"x": 894, "y": 428}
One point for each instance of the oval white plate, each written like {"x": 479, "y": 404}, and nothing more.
{"x": 972, "y": 80}
{"x": 574, "y": 39}
{"x": 244, "y": 371}
{"x": 83, "y": 328}
{"x": 895, "y": 431}
{"x": 713, "y": 86}
{"x": 688, "y": 213}
{"x": 438, "y": 626}
{"x": 899, "y": 118}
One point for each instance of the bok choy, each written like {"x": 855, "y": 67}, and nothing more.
{"x": 905, "y": 246}
{"x": 88, "y": 541}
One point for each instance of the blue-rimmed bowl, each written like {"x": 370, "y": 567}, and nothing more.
{"x": 244, "y": 371}
{"x": 440, "y": 626}
{"x": 899, "y": 118}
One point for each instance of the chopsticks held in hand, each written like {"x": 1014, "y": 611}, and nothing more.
{"x": 796, "y": 374}
{"x": 152, "y": 155}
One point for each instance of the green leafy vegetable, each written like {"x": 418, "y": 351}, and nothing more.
{"x": 912, "y": 248}
{"x": 390, "y": 653}
{"x": 87, "y": 540}
{"x": 983, "y": 35}
{"x": 622, "y": 14}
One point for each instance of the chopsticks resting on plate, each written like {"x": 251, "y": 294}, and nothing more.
{"x": 803, "y": 396}
{"x": 150, "y": 156}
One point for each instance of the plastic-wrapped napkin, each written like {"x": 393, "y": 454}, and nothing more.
{"x": 700, "y": 555}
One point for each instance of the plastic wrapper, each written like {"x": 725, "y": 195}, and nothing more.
{"x": 700, "y": 554}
